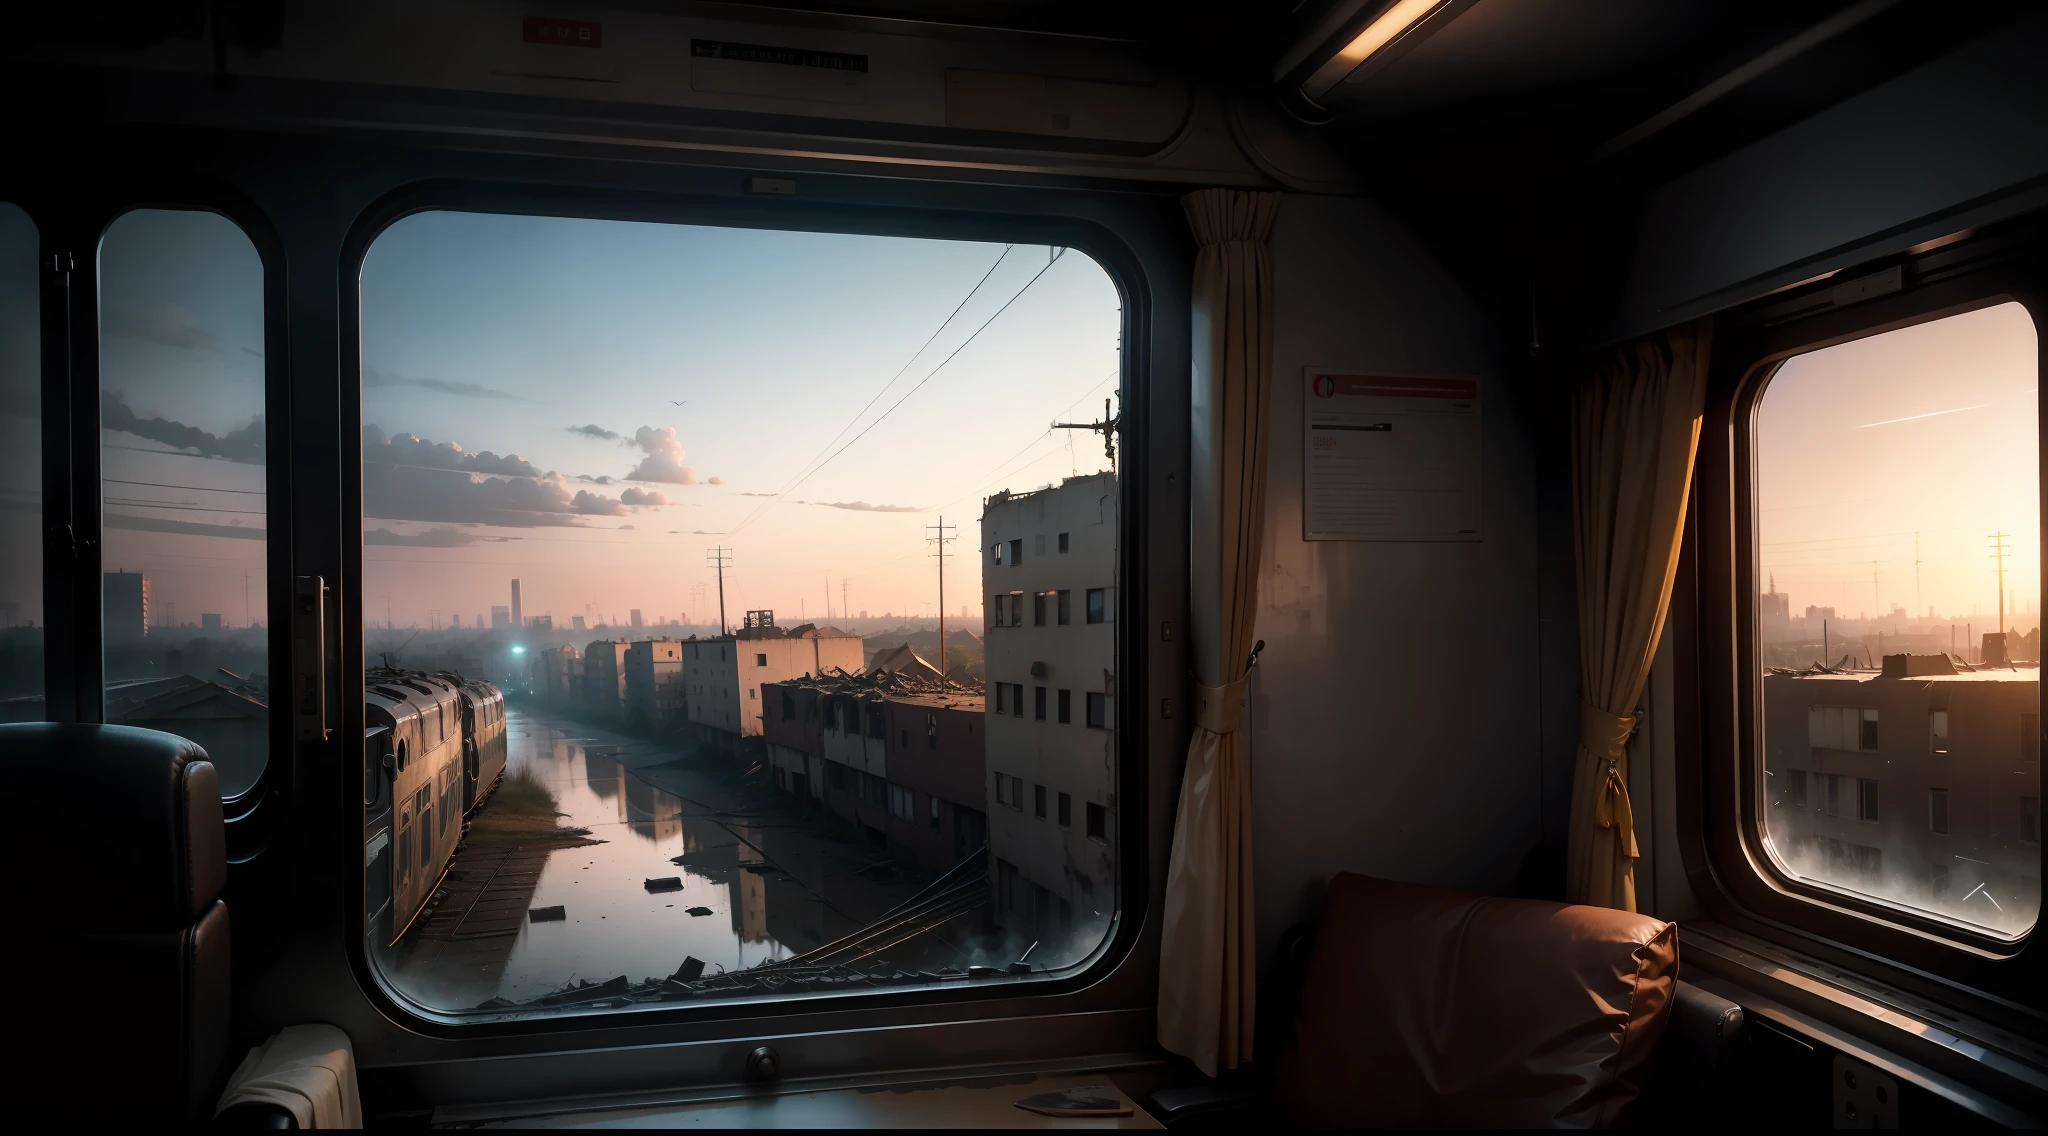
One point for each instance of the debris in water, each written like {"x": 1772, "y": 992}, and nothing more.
{"x": 698, "y": 910}
{"x": 666, "y": 883}
{"x": 548, "y": 914}
{"x": 691, "y": 970}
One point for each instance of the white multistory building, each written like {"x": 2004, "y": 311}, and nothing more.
{"x": 1048, "y": 574}
{"x": 723, "y": 676}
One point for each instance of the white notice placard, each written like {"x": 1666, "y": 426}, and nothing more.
{"x": 1389, "y": 457}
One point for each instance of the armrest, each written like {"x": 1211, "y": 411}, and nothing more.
{"x": 1221, "y": 1105}
{"x": 256, "y": 1114}
{"x": 1699, "y": 1058}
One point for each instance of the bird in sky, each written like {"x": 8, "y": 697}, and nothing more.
{"x": 673, "y": 402}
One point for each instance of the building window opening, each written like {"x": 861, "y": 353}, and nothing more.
{"x": 1038, "y": 801}
{"x": 474, "y": 506}
{"x": 1916, "y": 566}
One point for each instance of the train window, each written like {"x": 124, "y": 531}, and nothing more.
{"x": 21, "y": 472}
{"x": 182, "y": 468}
{"x": 1898, "y": 551}
{"x": 585, "y": 441}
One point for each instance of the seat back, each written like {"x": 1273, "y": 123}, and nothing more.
{"x": 1429, "y": 1007}
{"x": 133, "y": 858}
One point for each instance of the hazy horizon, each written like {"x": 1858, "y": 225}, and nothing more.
{"x": 521, "y": 377}
{"x": 1925, "y": 434}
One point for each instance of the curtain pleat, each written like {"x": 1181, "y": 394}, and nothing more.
{"x": 1206, "y": 980}
{"x": 1635, "y": 425}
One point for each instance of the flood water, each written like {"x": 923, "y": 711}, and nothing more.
{"x": 613, "y": 925}
{"x": 738, "y": 866}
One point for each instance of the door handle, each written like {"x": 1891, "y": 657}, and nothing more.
{"x": 309, "y": 658}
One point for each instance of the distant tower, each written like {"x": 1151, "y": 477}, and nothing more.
{"x": 127, "y": 606}
{"x": 516, "y": 621}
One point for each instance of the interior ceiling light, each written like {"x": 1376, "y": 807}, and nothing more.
{"x": 1391, "y": 26}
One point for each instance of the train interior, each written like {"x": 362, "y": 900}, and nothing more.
{"x": 427, "y": 428}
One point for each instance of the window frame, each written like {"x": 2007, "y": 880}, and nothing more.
{"x": 1714, "y": 621}
{"x": 1150, "y": 299}
{"x": 72, "y": 222}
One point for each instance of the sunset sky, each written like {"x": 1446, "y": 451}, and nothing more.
{"x": 521, "y": 381}
{"x": 1928, "y": 431}
{"x": 522, "y": 375}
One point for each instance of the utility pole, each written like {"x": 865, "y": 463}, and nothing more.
{"x": 721, "y": 559}
{"x": 1876, "y": 604}
{"x": 942, "y": 540}
{"x": 1998, "y": 551}
{"x": 1107, "y": 428}
{"x": 844, "y": 612}
{"x": 828, "y": 599}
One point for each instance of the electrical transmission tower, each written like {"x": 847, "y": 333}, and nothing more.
{"x": 942, "y": 540}
{"x": 721, "y": 559}
{"x": 1998, "y": 553}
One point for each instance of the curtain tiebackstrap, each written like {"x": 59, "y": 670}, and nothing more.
{"x": 1606, "y": 736}
{"x": 1218, "y": 709}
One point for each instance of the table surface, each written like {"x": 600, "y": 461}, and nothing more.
{"x": 981, "y": 1102}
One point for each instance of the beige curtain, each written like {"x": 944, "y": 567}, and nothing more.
{"x": 1635, "y": 426}
{"x": 1206, "y": 980}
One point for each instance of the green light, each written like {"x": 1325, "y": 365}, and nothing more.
{"x": 518, "y": 650}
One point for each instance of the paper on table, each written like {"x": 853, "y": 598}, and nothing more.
{"x": 1082, "y": 1100}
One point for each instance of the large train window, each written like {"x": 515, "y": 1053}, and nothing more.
{"x": 595, "y": 450}
{"x": 1898, "y": 560}
{"x": 182, "y": 468}
{"x": 21, "y": 472}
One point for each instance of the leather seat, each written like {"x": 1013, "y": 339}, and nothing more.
{"x": 1426, "y": 1007}
{"x": 122, "y": 870}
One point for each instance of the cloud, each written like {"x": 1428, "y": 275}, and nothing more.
{"x": 244, "y": 444}
{"x": 596, "y": 505}
{"x": 594, "y": 480}
{"x": 638, "y": 496}
{"x": 664, "y": 460}
{"x": 372, "y": 378}
{"x": 187, "y": 528}
{"x": 411, "y": 449}
{"x": 595, "y": 431}
{"x": 743, "y": 492}
{"x": 717, "y": 481}
{"x": 166, "y": 325}
{"x": 440, "y": 536}
{"x": 864, "y": 507}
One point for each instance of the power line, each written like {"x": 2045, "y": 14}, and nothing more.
{"x": 809, "y": 467}
{"x": 933, "y": 373}
{"x": 166, "y": 485}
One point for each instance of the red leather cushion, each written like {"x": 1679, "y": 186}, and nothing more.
{"x": 1430, "y": 1007}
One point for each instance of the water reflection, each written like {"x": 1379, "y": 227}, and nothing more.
{"x": 613, "y": 925}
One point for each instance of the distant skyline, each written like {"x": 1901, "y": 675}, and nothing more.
{"x": 1926, "y": 433}
{"x": 591, "y": 405}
